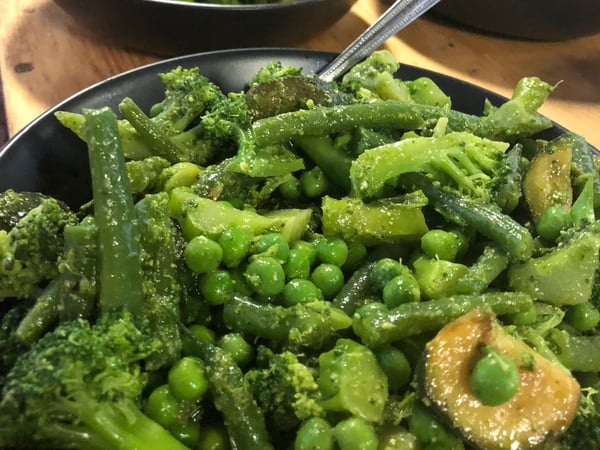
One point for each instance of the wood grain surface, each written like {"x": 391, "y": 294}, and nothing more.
{"x": 46, "y": 57}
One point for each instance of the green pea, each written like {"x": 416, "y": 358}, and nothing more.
{"x": 240, "y": 284}
{"x": 329, "y": 278}
{"x": 440, "y": 244}
{"x": 495, "y": 378}
{"x": 266, "y": 276}
{"x": 357, "y": 252}
{"x": 308, "y": 248}
{"x": 300, "y": 290}
{"x": 271, "y": 244}
{"x": 202, "y": 254}
{"x": 213, "y": 437}
{"x": 297, "y": 265}
{"x": 217, "y": 287}
{"x": 188, "y": 433}
{"x": 314, "y": 434}
{"x": 401, "y": 289}
{"x": 583, "y": 317}
{"x": 430, "y": 433}
{"x": 162, "y": 406}
{"x": 313, "y": 182}
{"x": 187, "y": 380}
{"x": 201, "y": 333}
{"x": 552, "y": 221}
{"x": 235, "y": 243}
{"x": 290, "y": 189}
{"x": 383, "y": 271}
{"x": 332, "y": 251}
{"x": 355, "y": 433}
{"x": 395, "y": 365}
{"x": 522, "y": 318}
{"x": 240, "y": 350}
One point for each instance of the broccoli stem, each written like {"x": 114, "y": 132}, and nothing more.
{"x": 376, "y": 325}
{"x": 43, "y": 314}
{"x": 121, "y": 425}
{"x": 120, "y": 279}
{"x": 506, "y": 232}
{"x": 148, "y": 131}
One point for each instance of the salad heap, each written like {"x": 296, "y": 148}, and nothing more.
{"x": 306, "y": 265}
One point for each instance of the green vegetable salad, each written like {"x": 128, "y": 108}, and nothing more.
{"x": 308, "y": 266}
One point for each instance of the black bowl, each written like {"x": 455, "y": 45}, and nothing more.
{"x": 46, "y": 157}
{"x": 547, "y": 20}
{"x": 171, "y": 27}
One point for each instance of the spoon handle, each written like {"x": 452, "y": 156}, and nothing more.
{"x": 400, "y": 14}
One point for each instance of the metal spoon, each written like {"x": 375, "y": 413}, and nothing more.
{"x": 400, "y": 14}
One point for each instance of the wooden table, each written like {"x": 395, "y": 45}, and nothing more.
{"x": 46, "y": 57}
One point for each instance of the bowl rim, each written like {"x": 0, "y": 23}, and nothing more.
{"x": 183, "y": 59}
{"x": 229, "y": 7}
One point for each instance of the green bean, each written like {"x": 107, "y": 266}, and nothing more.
{"x": 232, "y": 397}
{"x": 505, "y": 231}
{"x": 120, "y": 275}
{"x": 483, "y": 271}
{"x": 356, "y": 291}
{"x": 302, "y": 325}
{"x": 375, "y": 325}
{"x": 78, "y": 271}
{"x": 332, "y": 160}
{"x": 323, "y": 121}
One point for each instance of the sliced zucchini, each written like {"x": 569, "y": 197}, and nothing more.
{"x": 543, "y": 406}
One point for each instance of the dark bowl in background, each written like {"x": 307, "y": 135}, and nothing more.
{"x": 171, "y": 27}
{"x": 543, "y": 20}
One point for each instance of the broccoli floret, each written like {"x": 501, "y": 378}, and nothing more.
{"x": 14, "y": 205}
{"x": 584, "y": 431}
{"x": 285, "y": 389}
{"x": 373, "y": 79}
{"x": 30, "y": 250}
{"x": 10, "y": 346}
{"x": 80, "y": 386}
{"x": 458, "y": 159}
{"x": 273, "y": 71}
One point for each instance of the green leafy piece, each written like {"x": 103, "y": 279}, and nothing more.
{"x": 350, "y": 380}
